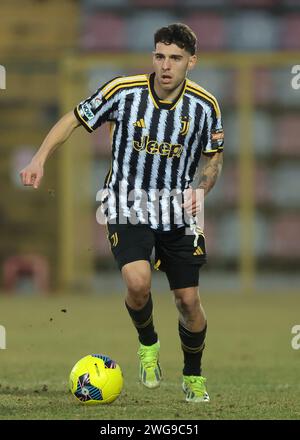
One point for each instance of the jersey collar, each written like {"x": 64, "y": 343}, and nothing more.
{"x": 160, "y": 103}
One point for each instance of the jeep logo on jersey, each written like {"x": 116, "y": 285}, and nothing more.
{"x": 153, "y": 147}
{"x": 88, "y": 111}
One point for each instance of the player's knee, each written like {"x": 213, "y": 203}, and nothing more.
{"x": 138, "y": 288}
{"x": 187, "y": 304}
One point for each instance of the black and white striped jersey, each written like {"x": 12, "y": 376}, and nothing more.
{"x": 156, "y": 146}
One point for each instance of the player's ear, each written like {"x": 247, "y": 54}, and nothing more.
{"x": 192, "y": 62}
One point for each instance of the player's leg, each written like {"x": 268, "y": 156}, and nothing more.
{"x": 137, "y": 276}
{"x": 132, "y": 247}
{"x": 177, "y": 255}
{"x": 138, "y": 301}
{"x": 192, "y": 331}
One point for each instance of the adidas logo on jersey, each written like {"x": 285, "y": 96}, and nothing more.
{"x": 140, "y": 123}
{"x": 198, "y": 251}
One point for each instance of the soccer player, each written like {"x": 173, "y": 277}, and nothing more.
{"x": 161, "y": 124}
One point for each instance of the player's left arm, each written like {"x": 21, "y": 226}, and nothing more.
{"x": 209, "y": 174}
{"x": 210, "y": 171}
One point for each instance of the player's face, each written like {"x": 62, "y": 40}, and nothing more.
{"x": 171, "y": 64}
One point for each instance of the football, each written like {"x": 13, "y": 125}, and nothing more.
{"x": 96, "y": 379}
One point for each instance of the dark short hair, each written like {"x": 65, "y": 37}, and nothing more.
{"x": 179, "y": 34}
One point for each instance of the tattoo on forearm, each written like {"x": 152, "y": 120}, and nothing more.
{"x": 210, "y": 174}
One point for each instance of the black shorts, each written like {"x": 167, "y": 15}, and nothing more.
{"x": 176, "y": 253}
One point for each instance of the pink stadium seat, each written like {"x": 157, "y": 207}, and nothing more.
{"x": 263, "y": 86}
{"x": 18, "y": 266}
{"x": 97, "y": 27}
{"x": 102, "y": 246}
{"x": 211, "y": 241}
{"x": 290, "y": 31}
{"x": 285, "y": 238}
{"x": 255, "y": 3}
{"x": 263, "y": 191}
{"x": 154, "y": 2}
{"x": 231, "y": 186}
{"x": 288, "y": 135}
{"x": 210, "y": 30}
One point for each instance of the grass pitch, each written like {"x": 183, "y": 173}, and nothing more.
{"x": 252, "y": 371}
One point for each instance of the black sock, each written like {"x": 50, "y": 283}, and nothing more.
{"x": 192, "y": 344}
{"x": 143, "y": 321}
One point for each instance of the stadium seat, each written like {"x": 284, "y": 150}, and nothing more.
{"x": 100, "y": 4}
{"x": 98, "y": 26}
{"x": 211, "y": 241}
{"x": 263, "y": 133}
{"x": 263, "y": 186}
{"x": 153, "y": 3}
{"x": 284, "y": 94}
{"x": 202, "y": 25}
{"x": 241, "y": 31}
{"x": 285, "y": 240}
{"x": 230, "y": 187}
{"x": 255, "y": 3}
{"x": 263, "y": 91}
{"x": 273, "y": 86}
{"x": 290, "y": 31}
{"x": 228, "y": 227}
{"x": 18, "y": 266}
{"x": 142, "y": 25}
{"x": 231, "y": 127}
{"x": 287, "y": 135}
{"x": 285, "y": 184}
{"x": 210, "y": 3}
{"x": 101, "y": 243}
{"x": 261, "y": 235}
{"x": 218, "y": 81}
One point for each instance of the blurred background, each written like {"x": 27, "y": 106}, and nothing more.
{"x": 56, "y": 52}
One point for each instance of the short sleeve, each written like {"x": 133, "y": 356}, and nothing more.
{"x": 97, "y": 109}
{"x": 212, "y": 138}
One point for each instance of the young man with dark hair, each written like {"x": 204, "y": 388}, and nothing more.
{"x": 161, "y": 124}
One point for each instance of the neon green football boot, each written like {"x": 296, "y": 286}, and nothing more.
{"x": 150, "y": 372}
{"x": 194, "y": 389}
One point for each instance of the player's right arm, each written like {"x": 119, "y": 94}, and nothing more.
{"x": 32, "y": 174}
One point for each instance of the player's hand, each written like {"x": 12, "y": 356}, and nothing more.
{"x": 32, "y": 174}
{"x": 193, "y": 200}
